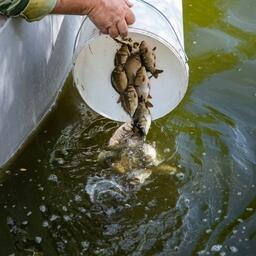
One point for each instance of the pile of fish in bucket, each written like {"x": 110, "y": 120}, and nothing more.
{"x": 133, "y": 61}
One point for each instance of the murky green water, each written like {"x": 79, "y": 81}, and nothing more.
{"x": 56, "y": 206}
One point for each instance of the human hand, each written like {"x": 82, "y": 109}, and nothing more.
{"x": 112, "y": 16}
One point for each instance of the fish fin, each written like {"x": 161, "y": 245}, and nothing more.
{"x": 141, "y": 99}
{"x": 129, "y": 47}
{"x": 149, "y": 96}
{"x": 154, "y": 48}
{"x": 136, "y": 45}
{"x": 119, "y": 100}
{"x": 116, "y": 61}
{"x": 149, "y": 104}
{"x": 150, "y": 77}
{"x": 157, "y": 72}
{"x": 118, "y": 41}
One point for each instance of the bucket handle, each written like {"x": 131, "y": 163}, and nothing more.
{"x": 170, "y": 24}
{"x": 157, "y": 10}
{"x": 78, "y": 33}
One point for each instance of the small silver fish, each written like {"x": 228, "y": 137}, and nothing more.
{"x": 142, "y": 118}
{"x": 119, "y": 79}
{"x": 132, "y": 66}
{"x": 129, "y": 100}
{"x": 142, "y": 85}
{"x": 121, "y": 135}
{"x": 122, "y": 54}
{"x": 148, "y": 58}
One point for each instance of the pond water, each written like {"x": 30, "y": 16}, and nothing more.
{"x": 57, "y": 199}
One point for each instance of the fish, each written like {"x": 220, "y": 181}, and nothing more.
{"x": 133, "y": 46}
{"x": 142, "y": 118}
{"x": 148, "y": 58}
{"x": 121, "y": 135}
{"x": 142, "y": 86}
{"x": 119, "y": 79}
{"x": 132, "y": 66}
{"x": 129, "y": 100}
{"x": 137, "y": 177}
{"x": 122, "y": 54}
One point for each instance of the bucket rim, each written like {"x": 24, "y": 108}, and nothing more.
{"x": 184, "y": 66}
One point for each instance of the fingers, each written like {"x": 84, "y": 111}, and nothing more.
{"x": 130, "y": 18}
{"x": 122, "y": 28}
{"x": 113, "y": 31}
{"x": 129, "y": 3}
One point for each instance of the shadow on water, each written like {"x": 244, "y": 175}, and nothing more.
{"x": 57, "y": 198}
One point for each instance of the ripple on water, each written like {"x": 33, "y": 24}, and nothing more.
{"x": 101, "y": 189}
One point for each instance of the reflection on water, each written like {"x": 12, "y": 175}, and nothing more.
{"x": 57, "y": 198}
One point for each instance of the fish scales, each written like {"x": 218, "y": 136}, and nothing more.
{"x": 123, "y": 133}
{"x": 148, "y": 58}
{"x": 122, "y": 55}
{"x": 119, "y": 79}
{"x": 142, "y": 84}
{"x": 132, "y": 66}
{"x": 129, "y": 100}
{"x": 142, "y": 118}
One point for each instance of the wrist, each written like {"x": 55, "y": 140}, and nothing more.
{"x": 76, "y": 7}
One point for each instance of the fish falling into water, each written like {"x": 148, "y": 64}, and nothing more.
{"x": 142, "y": 86}
{"x": 120, "y": 136}
{"x": 142, "y": 118}
{"x": 129, "y": 100}
{"x": 131, "y": 81}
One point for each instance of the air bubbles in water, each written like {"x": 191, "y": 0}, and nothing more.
{"x": 42, "y": 208}
{"x": 53, "y": 217}
{"x": 233, "y": 249}
{"x": 38, "y": 239}
{"x": 100, "y": 189}
{"x": 67, "y": 218}
{"x": 53, "y": 178}
{"x": 78, "y": 198}
{"x": 45, "y": 224}
{"x": 180, "y": 176}
{"x": 216, "y": 248}
{"x": 85, "y": 245}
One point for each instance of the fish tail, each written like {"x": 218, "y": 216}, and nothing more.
{"x": 149, "y": 104}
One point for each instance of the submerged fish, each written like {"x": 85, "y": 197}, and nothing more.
{"x": 132, "y": 66}
{"x": 142, "y": 86}
{"x": 135, "y": 154}
{"x": 139, "y": 176}
{"x": 148, "y": 58}
{"x": 122, "y": 54}
{"x": 142, "y": 118}
{"x": 119, "y": 79}
{"x": 121, "y": 135}
{"x": 129, "y": 100}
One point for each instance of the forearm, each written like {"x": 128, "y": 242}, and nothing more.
{"x": 78, "y": 7}
{"x": 29, "y": 9}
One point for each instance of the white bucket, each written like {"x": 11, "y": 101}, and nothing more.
{"x": 160, "y": 23}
